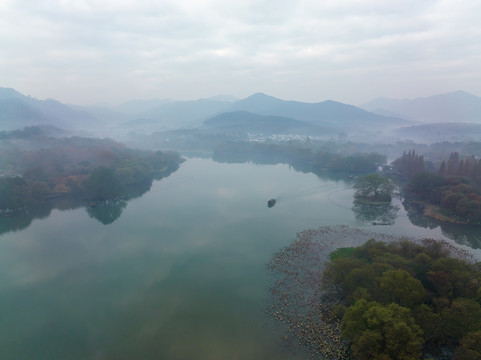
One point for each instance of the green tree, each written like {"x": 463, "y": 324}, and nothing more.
{"x": 422, "y": 186}
{"x": 470, "y": 347}
{"x": 103, "y": 184}
{"x": 382, "y": 332}
{"x": 373, "y": 188}
{"x": 462, "y": 317}
{"x": 400, "y": 287}
{"x": 14, "y": 193}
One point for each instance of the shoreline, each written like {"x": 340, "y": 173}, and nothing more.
{"x": 434, "y": 212}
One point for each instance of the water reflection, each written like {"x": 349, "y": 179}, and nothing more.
{"x": 385, "y": 213}
{"x": 381, "y": 214}
{"x": 107, "y": 212}
{"x": 179, "y": 275}
{"x": 22, "y": 220}
{"x": 415, "y": 214}
{"x": 462, "y": 234}
{"x": 302, "y": 167}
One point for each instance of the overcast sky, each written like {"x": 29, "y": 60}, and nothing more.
{"x": 92, "y": 51}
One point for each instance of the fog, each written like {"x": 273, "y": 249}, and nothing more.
{"x": 154, "y": 155}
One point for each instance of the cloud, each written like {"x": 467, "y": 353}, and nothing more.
{"x": 152, "y": 48}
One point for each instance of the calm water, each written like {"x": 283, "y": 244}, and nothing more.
{"x": 179, "y": 275}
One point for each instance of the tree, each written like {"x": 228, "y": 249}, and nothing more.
{"x": 382, "y": 332}
{"x": 400, "y": 287}
{"x": 14, "y": 193}
{"x": 423, "y": 185}
{"x": 373, "y": 188}
{"x": 470, "y": 348}
{"x": 409, "y": 164}
{"x": 453, "y": 163}
{"x": 103, "y": 184}
{"x": 442, "y": 169}
{"x": 462, "y": 317}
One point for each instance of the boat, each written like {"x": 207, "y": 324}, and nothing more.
{"x": 271, "y": 203}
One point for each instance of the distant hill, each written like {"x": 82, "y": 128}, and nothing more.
{"x": 16, "y": 114}
{"x": 244, "y": 121}
{"x": 18, "y": 111}
{"x": 439, "y": 132}
{"x": 107, "y": 116}
{"x": 176, "y": 114}
{"x": 9, "y": 93}
{"x": 187, "y": 111}
{"x": 457, "y": 106}
{"x": 147, "y": 116}
{"x": 327, "y": 113}
{"x": 133, "y": 107}
{"x": 227, "y": 98}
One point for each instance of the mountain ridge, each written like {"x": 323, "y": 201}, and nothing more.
{"x": 321, "y": 113}
{"x": 245, "y": 121}
{"x": 457, "y": 106}
{"x": 18, "y": 111}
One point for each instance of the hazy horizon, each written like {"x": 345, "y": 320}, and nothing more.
{"x": 86, "y": 52}
{"x": 214, "y": 97}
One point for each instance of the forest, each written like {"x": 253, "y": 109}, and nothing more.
{"x": 346, "y": 293}
{"x": 452, "y": 192}
{"x": 405, "y": 300}
{"x": 302, "y": 158}
{"x": 85, "y": 170}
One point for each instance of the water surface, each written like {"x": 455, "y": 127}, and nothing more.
{"x": 179, "y": 275}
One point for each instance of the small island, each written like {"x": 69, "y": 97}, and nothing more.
{"x": 373, "y": 189}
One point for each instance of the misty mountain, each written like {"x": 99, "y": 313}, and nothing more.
{"x": 244, "y": 121}
{"x": 107, "y": 116}
{"x": 457, "y": 106}
{"x": 18, "y": 111}
{"x": 187, "y": 111}
{"x": 327, "y": 113}
{"x": 9, "y": 93}
{"x": 141, "y": 107}
{"x": 227, "y": 98}
{"x": 440, "y": 132}
{"x": 133, "y": 107}
{"x": 176, "y": 114}
{"x": 16, "y": 114}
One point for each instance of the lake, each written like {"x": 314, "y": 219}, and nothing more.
{"x": 180, "y": 274}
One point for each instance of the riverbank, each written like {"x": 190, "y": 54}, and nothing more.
{"x": 436, "y": 212}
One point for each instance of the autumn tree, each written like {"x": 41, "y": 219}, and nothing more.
{"x": 409, "y": 164}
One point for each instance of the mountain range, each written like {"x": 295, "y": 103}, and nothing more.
{"x": 326, "y": 113}
{"x": 18, "y": 111}
{"x": 248, "y": 122}
{"x": 439, "y": 132}
{"x": 458, "y": 106}
{"x": 256, "y": 113}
